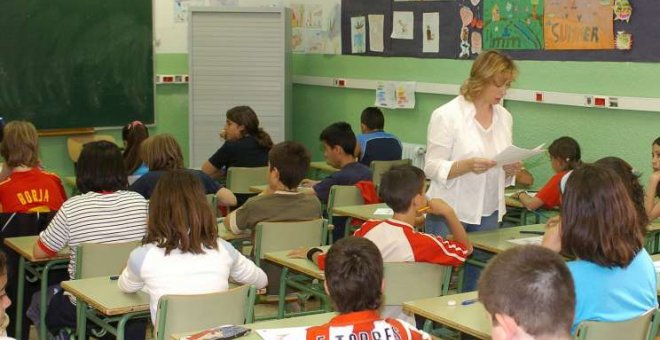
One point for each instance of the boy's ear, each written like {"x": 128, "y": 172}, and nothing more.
{"x": 508, "y": 325}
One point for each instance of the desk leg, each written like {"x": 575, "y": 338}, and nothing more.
{"x": 43, "y": 296}
{"x": 81, "y": 319}
{"x": 121, "y": 326}
{"x": 20, "y": 291}
{"x": 282, "y": 294}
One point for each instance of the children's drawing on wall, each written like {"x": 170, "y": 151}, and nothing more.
{"x": 472, "y": 24}
{"x": 622, "y": 10}
{"x": 431, "y": 28}
{"x": 395, "y": 94}
{"x": 402, "y": 25}
{"x": 315, "y": 27}
{"x": 358, "y": 35}
{"x": 181, "y": 8}
{"x": 578, "y": 24}
{"x": 513, "y": 25}
{"x": 624, "y": 40}
{"x": 376, "y": 23}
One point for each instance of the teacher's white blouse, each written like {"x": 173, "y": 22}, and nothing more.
{"x": 453, "y": 135}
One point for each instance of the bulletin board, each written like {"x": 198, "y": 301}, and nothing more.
{"x": 456, "y": 26}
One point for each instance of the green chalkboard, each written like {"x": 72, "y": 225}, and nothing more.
{"x": 76, "y": 63}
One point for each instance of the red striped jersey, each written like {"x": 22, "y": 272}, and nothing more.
{"x": 365, "y": 325}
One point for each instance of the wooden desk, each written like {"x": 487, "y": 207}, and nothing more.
{"x": 362, "y": 212}
{"x": 307, "y": 269}
{"x": 103, "y": 296}
{"x": 471, "y": 319}
{"x": 300, "y": 321}
{"x": 323, "y": 166}
{"x": 258, "y": 188}
{"x": 497, "y": 241}
{"x": 39, "y": 268}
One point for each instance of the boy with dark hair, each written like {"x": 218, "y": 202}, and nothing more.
{"x": 354, "y": 281}
{"x": 374, "y": 144}
{"x": 402, "y": 189}
{"x": 288, "y": 163}
{"x": 338, "y": 147}
{"x": 529, "y": 293}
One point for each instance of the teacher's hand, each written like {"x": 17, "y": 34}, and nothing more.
{"x": 479, "y": 165}
{"x": 512, "y": 169}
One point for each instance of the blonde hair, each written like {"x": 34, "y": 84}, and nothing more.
{"x": 485, "y": 68}
{"x": 20, "y": 145}
{"x": 161, "y": 152}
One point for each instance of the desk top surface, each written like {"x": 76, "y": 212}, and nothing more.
{"x": 227, "y": 235}
{"x": 363, "y": 211}
{"x": 471, "y": 319}
{"x": 300, "y": 321}
{"x": 23, "y": 246}
{"x": 104, "y": 295}
{"x": 498, "y": 240}
{"x": 304, "y": 266}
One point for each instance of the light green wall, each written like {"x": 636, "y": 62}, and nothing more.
{"x": 601, "y": 132}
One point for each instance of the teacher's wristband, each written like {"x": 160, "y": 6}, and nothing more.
{"x": 312, "y": 251}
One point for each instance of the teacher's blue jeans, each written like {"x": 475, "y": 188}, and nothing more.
{"x": 437, "y": 225}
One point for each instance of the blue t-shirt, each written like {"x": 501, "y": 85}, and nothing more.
{"x": 146, "y": 184}
{"x": 379, "y": 146}
{"x": 143, "y": 169}
{"x": 613, "y": 294}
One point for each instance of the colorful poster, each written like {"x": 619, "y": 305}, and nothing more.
{"x": 513, "y": 25}
{"x": 470, "y": 14}
{"x": 395, "y": 94}
{"x": 376, "y": 24}
{"x": 358, "y": 40}
{"x": 431, "y": 32}
{"x": 578, "y": 25}
{"x": 315, "y": 26}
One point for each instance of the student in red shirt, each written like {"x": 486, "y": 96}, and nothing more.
{"x": 354, "y": 282}
{"x": 28, "y": 188}
{"x": 565, "y": 156}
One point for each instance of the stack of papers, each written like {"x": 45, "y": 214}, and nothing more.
{"x": 513, "y": 154}
{"x": 384, "y": 212}
{"x": 535, "y": 240}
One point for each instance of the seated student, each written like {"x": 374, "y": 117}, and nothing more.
{"x": 354, "y": 282}
{"x": 565, "y": 156}
{"x": 288, "y": 163}
{"x": 104, "y": 212}
{"x": 529, "y": 294}
{"x": 631, "y": 182}
{"x": 338, "y": 147}
{"x": 133, "y": 134}
{"x": 614, "y": 276}
{"x": 374, "y": 144}
{"x": 653, "y": 188}
{"x": 162, "y": 153}
{"x": 181, "y": 252}
{"x": 28, "y": 188}
{"x": 5, "y": 302}
{"x": 246, "y": 143}
{"x": 402, "y": 189}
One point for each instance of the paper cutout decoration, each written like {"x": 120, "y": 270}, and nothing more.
{"x": 513, "y": 25}
{"x": 465, "y": 45}
{"x": 358, "y": 35}
{"x": 475, "y": 41}
{"x": 431, "y": 28}
{"x": 395, "y": 94}
{"x": 402, "y": 25}
{"x": 624, "y": 40}
{"x": 376, "y": 23}
{"x": 622, "y": 10}
{"x": 316, "y": 27}
{"x": 466, "y": 15}
{"x": 578, "y": 25}
{"x": 475, "y": 2}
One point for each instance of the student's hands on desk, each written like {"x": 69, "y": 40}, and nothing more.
{"x": 298, "y": 253}
{"x": 552, "y": 236}
{"x": 308, "y": 183}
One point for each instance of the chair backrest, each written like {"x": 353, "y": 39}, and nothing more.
{"x": 102, "y": 259}
{"x": 239, "y": 180}
{"x": 381, "y": 149}
{"x": 643, "y": 327}
{"x": 406, "y": 281}
{"x": 278, "y": 236}
{"x": 378, "y": 168}
{"x": 343, "y": 195}
{"x": 188, "y": 313}
{"x": 75, "y": 144}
